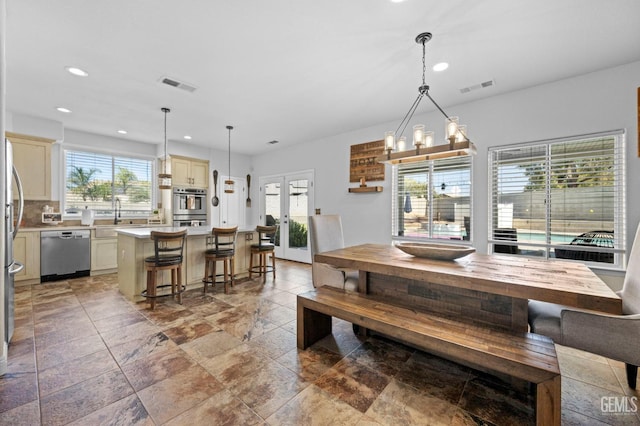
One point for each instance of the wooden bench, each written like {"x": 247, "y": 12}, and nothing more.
{"x": 526, "y": 356}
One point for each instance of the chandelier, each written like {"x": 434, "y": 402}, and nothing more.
{"x": 164, "y": 179}
{"x": 396, "y": 151}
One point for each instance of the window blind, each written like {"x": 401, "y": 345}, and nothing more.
{"x": 432, "y": 200}
{"x": 95, "y": 180}
{"x": 560, "y": 199}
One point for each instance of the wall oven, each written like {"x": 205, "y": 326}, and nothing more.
{"x": 189, "y": 206}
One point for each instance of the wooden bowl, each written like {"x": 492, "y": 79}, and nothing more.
{"x": 435, "y": 251}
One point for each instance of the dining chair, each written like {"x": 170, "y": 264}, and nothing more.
{"x": 168, "y": 249}
{"x": 326, "y": 234}
{"x": 612, "y": 336}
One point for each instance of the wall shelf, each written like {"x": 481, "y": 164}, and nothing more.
{"x": 366, "y": 189}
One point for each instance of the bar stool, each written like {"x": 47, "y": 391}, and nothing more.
{"x": 168, "y": 255}
{"x": 224, "y": 249}
{"x": 265, "y": 246}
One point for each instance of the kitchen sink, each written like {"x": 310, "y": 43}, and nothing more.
{"x": 109, "y": 231}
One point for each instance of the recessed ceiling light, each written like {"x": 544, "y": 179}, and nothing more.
{"x": 77, "y": 71}
{"x": 397, "y": 1}
{"x": 440, "y": 66}
{"x": 187, "y": 137}
{"x": 63, "y": 109}
{"x": 122, "y": 132}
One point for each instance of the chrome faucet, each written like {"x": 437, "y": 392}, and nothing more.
{"x": 117, "y": 212}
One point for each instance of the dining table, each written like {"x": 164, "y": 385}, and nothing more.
{"x": 490, "y": 290}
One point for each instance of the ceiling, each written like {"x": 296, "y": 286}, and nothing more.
{"x": 291, "y": 70}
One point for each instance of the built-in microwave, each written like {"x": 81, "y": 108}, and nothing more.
{"x": 189, "y": 201}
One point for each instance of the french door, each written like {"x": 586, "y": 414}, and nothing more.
{"x": 287, "y": 201}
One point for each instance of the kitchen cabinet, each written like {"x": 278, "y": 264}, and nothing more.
{"x": 195, "y": 249}
{"x": 32, "y": 159}
{"x": 26, "y": 250}
{"x": 134, "y": 245}
{"x": 189, "y": 172}
{"x": 243, "y": 252}
{"x": 104, "y": 254}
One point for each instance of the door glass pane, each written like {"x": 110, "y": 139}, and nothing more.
{"x": 298, "y": 213}
{"x": 272, "y": 206}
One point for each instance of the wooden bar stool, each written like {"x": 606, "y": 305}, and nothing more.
{"x": 223, "y": 249}
{"x": 265, "y": 246}
{"x": 168, "y": 255}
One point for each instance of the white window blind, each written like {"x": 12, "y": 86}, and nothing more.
{"x": 96, "y": 180}
{"x": 560, "y": 199}
{"x": 432, "y": 200}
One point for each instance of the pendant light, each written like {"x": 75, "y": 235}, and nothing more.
{"x": 423, "y": 141}
{"x": 228, "y": 183}
{"x": 164, "y": 179}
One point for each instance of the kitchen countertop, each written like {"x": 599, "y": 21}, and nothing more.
{"x": 138, "y": 232}
{"x": 133, "y": 230}
{"x": 54, "y": 228}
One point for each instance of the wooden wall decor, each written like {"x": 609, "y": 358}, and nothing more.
{"x": 363, "y": 162}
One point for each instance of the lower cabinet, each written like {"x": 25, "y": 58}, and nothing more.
{"x": 104, "y": 255}
{"x": 26, "y": 250}
{"x": 243, "y": 252}
{"x": 196, "y": 246}
{"x": 131, "y": 252}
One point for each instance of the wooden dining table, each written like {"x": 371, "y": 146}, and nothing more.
{"x": 491, "y": 290}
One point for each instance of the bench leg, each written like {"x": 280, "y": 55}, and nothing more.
{"x": 312, "y": 326}
{"x": 548, "y": 405}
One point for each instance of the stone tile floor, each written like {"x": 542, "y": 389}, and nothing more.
{"x": 82, "y": 354}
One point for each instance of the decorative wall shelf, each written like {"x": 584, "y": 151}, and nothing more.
{"x": 366, "y": 189}
{"x": 431, "y": 153}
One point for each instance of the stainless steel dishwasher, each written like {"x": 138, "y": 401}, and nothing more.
{"x": 65, "y": 254}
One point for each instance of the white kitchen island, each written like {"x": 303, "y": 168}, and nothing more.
{"x": 134, "y": 244}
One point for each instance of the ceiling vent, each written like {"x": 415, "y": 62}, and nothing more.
{"x": 179, "y": 84}
{"x": 482, "y": 85}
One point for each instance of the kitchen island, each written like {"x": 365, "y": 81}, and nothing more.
{"x": 134, "y": 244}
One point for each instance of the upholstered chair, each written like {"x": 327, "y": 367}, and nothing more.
{"x": 326, "y": 235}
{"x": 612, "y": 336}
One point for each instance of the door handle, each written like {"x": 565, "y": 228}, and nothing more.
{"x": 15, "y": 268}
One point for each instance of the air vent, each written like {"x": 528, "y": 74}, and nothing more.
{"x": 482, "y": 85}
{"x": 179, "y": 84}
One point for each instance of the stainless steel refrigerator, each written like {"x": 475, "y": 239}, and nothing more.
{"x": 11, "y": 267}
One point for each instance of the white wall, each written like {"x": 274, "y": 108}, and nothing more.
{"x": 595, "y": 102}
{"x": 34, "y": 126}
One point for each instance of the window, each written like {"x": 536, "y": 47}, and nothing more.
{"x": 432, "y": 200}
{"x": 96, "y": 180}
{"x": 560, "y": 199}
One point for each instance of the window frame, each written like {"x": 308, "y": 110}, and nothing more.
{"x": 113, "y": 154}
{"x": 619, "y": 250}
{"x": 430, "y": 165}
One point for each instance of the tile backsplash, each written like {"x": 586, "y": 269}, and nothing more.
{"x": 33, "y": 210}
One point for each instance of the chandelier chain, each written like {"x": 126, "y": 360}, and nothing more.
{"x": 424, "y": 64}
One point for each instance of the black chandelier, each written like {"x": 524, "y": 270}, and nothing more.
{"x": 425, "y": 148}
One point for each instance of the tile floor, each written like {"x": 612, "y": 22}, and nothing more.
{"x": 82, "y": 354}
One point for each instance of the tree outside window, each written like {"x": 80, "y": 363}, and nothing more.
{"x": 95, "y": 180}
